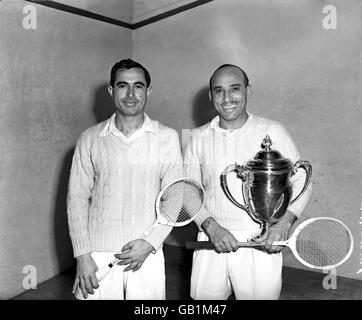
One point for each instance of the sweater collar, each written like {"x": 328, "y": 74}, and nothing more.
{"x": 148, "y": 125}
{"x": 215, "y": 125}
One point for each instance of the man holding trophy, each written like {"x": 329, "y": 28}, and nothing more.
{"x": 269, "y": 183}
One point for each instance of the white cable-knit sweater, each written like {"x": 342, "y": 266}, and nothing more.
{"x": 211, "y": 149}
{"x": 114, "y": 182}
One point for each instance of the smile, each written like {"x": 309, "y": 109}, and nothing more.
{"x": 229, "y": 108}
{"x": 131, "y": 103}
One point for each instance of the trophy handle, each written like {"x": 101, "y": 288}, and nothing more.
{"x": 308, "y": 170}
{"x": 241, "y": 174}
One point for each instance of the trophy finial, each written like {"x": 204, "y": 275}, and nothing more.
{"x": 267, "y": 143}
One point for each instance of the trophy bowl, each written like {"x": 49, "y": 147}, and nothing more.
{"x": 266, "y": 186}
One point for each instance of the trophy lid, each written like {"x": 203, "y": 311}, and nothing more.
{"x": 268, "y": 159}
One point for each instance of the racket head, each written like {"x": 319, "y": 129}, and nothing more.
{"x": 321, "y": 243}
{"x": 180, "y": 202}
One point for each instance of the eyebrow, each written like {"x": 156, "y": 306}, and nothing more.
{"x": 232, "y": 85}
{"x": 124, "y": 82}
{"x": 140, "y": 82}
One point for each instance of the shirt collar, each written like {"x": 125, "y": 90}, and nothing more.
{"x": 215, "y": 125}
{"x": 147, "y": 126}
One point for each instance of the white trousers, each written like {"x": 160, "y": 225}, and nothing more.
{"x": 147, "y": 283}
{"x": 251, "y": 274}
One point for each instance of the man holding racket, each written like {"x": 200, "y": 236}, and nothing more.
{"x": 119, "y": 166}
{"x": 235, "y": 136}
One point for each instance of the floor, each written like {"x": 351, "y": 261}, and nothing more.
{"x": 297, "y": 284}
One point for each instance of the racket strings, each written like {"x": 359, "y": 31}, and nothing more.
{"x": 181, "y": 201}
{"x": 323, "y": 243}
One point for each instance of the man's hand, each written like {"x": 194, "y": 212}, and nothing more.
{"x": 85, "y": 276}
{"x": 278, "y": 232}
{"x": 134, "y": 253}
{"x": 221, "y": 238}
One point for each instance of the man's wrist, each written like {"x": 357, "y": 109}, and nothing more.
{"x": 84, "y": 257}
{"x": 289, "y": 217}
{"x": 150, "y": 247}
{"x": 207, "y": 224}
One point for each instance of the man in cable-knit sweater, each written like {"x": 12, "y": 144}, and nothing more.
{"x": 119, "y": 166}
{"x": 235, "y": 135}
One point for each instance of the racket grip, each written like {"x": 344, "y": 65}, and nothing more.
{"x": 199, "y": 245}
{"x": 209, "y": 245}
{"x": 78, "y": 293}
{"x": 101, "y": 273}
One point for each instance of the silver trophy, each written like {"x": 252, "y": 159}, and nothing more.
{"x": 266, "y": 186}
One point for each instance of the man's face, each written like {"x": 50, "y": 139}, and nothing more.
{"x": 229, "y": 94}
{"x": 130, "y": 92}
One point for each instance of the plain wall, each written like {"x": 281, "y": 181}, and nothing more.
{"x": 52, "y": 87}
{"x": 302, "y": 75}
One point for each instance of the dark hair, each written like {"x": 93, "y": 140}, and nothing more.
{"x": 246, "y": 79}
{"x": 126, "y": 64}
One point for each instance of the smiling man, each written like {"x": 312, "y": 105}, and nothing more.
{"x": 235, "y": 135}
{"x": 119, "y": 166}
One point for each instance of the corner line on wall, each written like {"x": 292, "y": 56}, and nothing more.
{"x": 132, "y": 26}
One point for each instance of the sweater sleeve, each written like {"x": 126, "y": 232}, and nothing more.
{"x": 286, "y": 146}
{"x": 80, "y": 186}
{"x": 171, "y": 169}
{"x": 192, "y": 168}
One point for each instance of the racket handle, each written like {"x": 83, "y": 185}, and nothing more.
{"x": 78, "y": 293}
{"x": 199, "y": 245}
{"x": 209, "y": 245}
{"x": 101, "y": 273}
